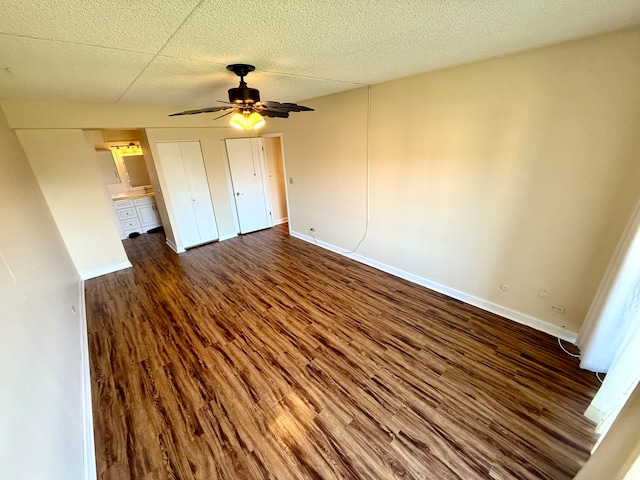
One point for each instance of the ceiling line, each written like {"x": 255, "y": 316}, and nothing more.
{"x": 157, "y": 53}
{"x": 74, "y": 43}
{"x": 293, "y": 75}
{"x": 279, "y": 74}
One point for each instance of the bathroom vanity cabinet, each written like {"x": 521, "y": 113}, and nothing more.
{"x": 139, "y": 214}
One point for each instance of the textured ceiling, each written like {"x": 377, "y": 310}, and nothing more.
{"x": 174, "y": 52}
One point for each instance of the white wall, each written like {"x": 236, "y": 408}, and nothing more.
{"x": 41, "y": 389}
{"x": 67, "y": 172}
{"x": 521, "y": 170}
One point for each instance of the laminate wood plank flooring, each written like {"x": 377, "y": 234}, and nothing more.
{"x": 265, "y": 357}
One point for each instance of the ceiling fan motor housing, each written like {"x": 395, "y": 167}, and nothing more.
{"x": 244, "y": 94}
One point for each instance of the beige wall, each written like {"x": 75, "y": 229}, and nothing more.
{"x": 521, "y": 170}
{"x": 41, "y": 359}
{"x": 39, "y": 115}
{"x": 326, "y": 167}
{"x": 88, "y": 116}
{"x": 66, "y": 169}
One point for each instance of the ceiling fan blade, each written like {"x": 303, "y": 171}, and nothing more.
{"x": 273, "y": 109}
{"x": 290, "y": 107}
{"x": 271, "y": 103}
{"x": 274, "y": 113}
{"x": 225, "y": 114}
{"x": 199, "y": 110}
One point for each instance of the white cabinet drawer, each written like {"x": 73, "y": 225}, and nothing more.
{"x": 127, "y": 213}
{"x": 144, "y": 201}
{"x": 120, "y": 204}
{"x": 137, "y": 215}
{"x": 129, "y": 224}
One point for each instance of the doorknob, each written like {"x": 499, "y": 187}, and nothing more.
{"x": 238, "y": 194}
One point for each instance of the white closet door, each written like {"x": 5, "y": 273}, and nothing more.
{"x": 199, "y": 189}
{"x": 187, "y": 192}
{"x": 246, "y": 164}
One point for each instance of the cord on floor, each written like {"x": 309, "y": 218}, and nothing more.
{"x": 576, "y": 356}
{"x": 566, "y": 351}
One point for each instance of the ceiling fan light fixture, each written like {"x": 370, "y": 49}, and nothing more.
{"x": 247, "y": 120}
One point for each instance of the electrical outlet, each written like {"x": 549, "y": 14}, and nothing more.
{"x": 543, "y": 292}
{"x": 558, "y": 309}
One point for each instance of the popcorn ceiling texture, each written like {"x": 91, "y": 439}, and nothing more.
{"x": 175, "y": 52}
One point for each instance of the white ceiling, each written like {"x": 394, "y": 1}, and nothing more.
{"x": 174, "y": 52}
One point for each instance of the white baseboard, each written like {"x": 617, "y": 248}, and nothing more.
{"x": 173, "y": 246}
{"x": 512, "y": 315}
{"x": 87, "y": 274}
{"x": 594, "y": 414}
{"x": 87, "y": 409}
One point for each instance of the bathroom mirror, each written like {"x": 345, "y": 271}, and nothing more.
{"x": 108, "y": 167}
{"x": 131, "y": 174}
{"x": 136, "y": 171}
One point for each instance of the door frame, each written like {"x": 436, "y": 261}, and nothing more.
{"x": 286, "y": 177}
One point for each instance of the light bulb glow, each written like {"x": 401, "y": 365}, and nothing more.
{"x": 246, "y": 120}
{"x": 131, "y": 149}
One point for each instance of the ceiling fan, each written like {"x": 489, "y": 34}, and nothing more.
{"x": 244, "y": 102}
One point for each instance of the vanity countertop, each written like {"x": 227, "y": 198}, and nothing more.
{"x": 131, "y": 195}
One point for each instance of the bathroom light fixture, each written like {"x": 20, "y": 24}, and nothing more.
{"x": 130, "y": 149}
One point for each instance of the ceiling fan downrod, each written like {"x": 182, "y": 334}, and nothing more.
{"x": 243, "y": 95}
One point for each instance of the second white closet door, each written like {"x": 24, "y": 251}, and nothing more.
{"x": 246, "y": 164}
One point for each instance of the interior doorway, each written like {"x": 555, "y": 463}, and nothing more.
{"x": 274, "y": 158}
{"x": 128, "y": 175}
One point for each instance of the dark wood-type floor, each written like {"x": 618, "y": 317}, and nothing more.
{"x": 267, "y": 357}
